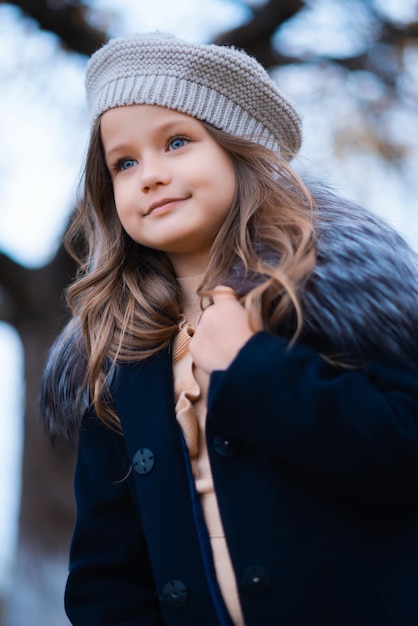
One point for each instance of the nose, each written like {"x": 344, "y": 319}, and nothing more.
{"x": 154, "y": 172}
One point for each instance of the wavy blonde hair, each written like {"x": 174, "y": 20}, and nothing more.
{"x": 125, "y": 296}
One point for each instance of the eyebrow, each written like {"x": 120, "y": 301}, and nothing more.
{"x": 120, "y": 147}
{"x": 184, "y": 120}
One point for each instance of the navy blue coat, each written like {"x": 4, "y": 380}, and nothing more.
{"x": 316, "y": 472}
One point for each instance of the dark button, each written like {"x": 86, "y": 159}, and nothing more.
{"x": 224, "y": 446}
{"x": 255, "y": 579}
{"x": 144, "y": 461}
{"x": 174, "y": 594}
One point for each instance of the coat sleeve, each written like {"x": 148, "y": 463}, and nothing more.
{"x": 351, "y": 431}
{"x": 110, "y": 580}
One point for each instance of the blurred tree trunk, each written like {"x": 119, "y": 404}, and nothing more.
{"x": 31, "y": 301}
{"x": 33, "y": 304}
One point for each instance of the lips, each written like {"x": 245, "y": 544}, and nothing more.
{"x": 160, "y": 203}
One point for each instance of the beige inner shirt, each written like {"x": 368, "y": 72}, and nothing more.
{"x": 190, "y": 395}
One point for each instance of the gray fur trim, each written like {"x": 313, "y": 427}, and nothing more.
{"x": 61, "y": 404}
{"x": 362, "y": 297}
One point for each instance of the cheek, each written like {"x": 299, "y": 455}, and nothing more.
{"x": 125, "y": 217}
{"x": 120, "y": 213}
{"x": 117, "y": 194}
{"x": 228, "y": 183}
{"x": 121, "y": 202}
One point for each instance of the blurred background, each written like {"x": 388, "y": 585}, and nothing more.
{"x": 351, "y": 68}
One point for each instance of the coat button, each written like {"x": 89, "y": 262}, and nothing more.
{"x": 255, "y": 579}
{"x": 224, "y": 446}
{"x": 143, "y": 461}
{"x": 174, "y": 594}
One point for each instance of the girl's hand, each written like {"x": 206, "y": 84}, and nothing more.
{"x": 222, "y": 331}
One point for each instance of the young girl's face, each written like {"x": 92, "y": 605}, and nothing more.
{"x": 173, "y": 184}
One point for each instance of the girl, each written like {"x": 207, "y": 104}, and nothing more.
{"x": 241, "y": 365}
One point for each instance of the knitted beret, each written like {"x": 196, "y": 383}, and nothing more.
{"x": 217, "y": 84}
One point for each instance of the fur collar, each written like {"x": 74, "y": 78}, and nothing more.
{"x": 362, "y": 298}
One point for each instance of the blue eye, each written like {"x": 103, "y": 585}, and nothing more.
{"x": 122, "y": 165}
{"x": 177, "y": 142}
{"x": 126, "y": 164}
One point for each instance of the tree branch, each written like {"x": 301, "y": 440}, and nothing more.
{"x": 255, "y": 35}
{"x": 67, "y": 20}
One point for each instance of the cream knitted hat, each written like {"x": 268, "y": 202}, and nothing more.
{"x": 222, "y": 86}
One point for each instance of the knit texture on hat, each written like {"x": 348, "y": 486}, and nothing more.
{"x": 222, "y": 86}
